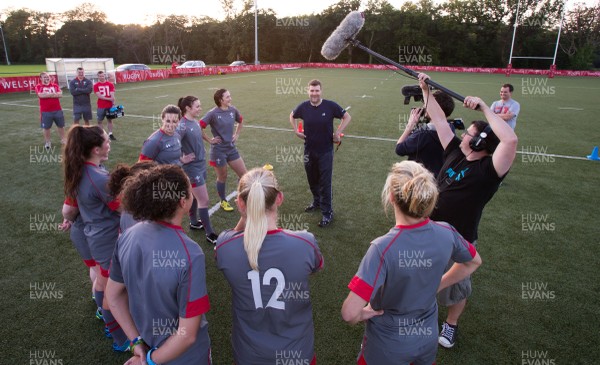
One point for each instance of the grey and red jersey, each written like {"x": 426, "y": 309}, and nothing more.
{"x": 98, "y": 210}
{"x": 165, "y": 276}
{"x": 162, "y": 148}
{"x": 272, "y": 311}
{"x": 190, "y": 134}
{"x": 400, "y": 273}
{"x": 96, "y": 205}
{"x": 222, "y": 122}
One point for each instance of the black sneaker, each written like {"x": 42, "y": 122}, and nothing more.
{"x": 312, "y": 207}
{"x": 198, "y": 225}
{"x": 212, "y": 238}
{"x": 112, "y": 137}
{"x": 326, "y": 220}
{"x": 448, "y": 335}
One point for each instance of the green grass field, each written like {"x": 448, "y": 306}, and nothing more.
{"x": 535, "y": 296}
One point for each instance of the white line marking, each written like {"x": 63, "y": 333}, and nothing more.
{"x": 287, "y": 130}
{"x": 570, "y": 108}
{"x": 161, "y": 96}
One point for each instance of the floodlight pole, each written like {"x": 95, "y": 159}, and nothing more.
{"x": 256, "y": 34}
{"x": 4, "y": 43}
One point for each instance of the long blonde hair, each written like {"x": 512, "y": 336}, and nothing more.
{"x": 412, "y": 188}
{"x": 258, "y": 188}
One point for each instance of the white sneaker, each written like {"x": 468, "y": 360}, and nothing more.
{"x": 48, "y": 145}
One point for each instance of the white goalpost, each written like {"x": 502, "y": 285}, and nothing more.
{"x": 511, "y": 57}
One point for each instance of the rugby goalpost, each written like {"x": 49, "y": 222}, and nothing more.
{"x": 511, "y": 57}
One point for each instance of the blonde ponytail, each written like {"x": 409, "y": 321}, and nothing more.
{"x": 256, "y": 223}
{"x": 258, "y": 189}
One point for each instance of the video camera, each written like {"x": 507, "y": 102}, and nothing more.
{"x": 115, "y": 112}
{"x": 412, "y": 91}
{"x": 415, "y": 92}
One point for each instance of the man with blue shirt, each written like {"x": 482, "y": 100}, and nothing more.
{"x": 317, "y": 115}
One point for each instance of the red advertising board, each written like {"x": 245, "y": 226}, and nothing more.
{"x": 27, "y": 83}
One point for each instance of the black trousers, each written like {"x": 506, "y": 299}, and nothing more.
{"x": 319, "y": 172}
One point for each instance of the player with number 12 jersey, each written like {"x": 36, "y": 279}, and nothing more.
{"x": 272, "y": 312}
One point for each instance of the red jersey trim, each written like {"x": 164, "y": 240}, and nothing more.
{"x": 413, "y": 226}
{"x": 212, "y": 163}
{"x": 89, "y": 263}
{"x": 359, "y": 287}
{"x": 105, "y": 273}
{"x": 203, "y": 124}
{"x": 114, "y": 204}
{"x": 90, "y": 163}
{"x": 144, "y": 158}
{"x": 197, "y": 307}
{"x": 273, "y": 231}
{"x": 71, "y": 202}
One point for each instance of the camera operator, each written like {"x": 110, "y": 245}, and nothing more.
{"x": 471, "y": 174}
{"x": 421, "y": 143}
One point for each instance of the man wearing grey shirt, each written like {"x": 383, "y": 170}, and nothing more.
{"x": 507, "y": 108}
{"x": 81, "y": 88}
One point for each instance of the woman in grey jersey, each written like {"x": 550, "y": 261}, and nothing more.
{"x": 268, "y": 270}
{"x": 157, "y": 285}
{"x": 225, "y": 123}
{"x": 85, "y": 180}
{"x": 192, "y": 143}
{"x": 395, "y": 287}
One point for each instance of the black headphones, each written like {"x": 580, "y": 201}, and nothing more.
{"x": 480, "y": 142}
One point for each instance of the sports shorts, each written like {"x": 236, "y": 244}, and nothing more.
{"x": 82, "y": 111}
{"x": 48, "y": 118}
{"x": 221, "y": 154}
{"x": 457, "y": 292}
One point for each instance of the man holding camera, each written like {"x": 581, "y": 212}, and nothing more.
{"x": 472, "y": 171}
{"x": 422, "y": 144}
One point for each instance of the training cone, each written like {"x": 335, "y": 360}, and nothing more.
{"x": 268, "y": 167}
{"x": 594, "y": 155}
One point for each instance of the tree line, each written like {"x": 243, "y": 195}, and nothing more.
{"x": 474, "y": 33}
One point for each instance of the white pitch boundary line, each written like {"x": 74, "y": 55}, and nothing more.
{"x": 345, "y": 136}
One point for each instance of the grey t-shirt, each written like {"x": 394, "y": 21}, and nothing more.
{"x": 400, "y": 273}
{"x": 222, "y": 122}
{"x": 165, "y": 276}
{"x": 272, "y": 311}
{"x": 503, "y": 107}
{"x": 162, "y": 148}
{"x": 96, "y": 206}
{"x": 190, "y": 134}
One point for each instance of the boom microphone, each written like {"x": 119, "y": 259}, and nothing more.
{"x": 345, "y": 34}
{"x": 342, "y": 35}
